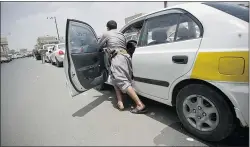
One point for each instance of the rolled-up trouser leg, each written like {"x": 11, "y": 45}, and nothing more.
{"x": 121, "y": 68}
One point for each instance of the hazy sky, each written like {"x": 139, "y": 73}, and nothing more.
{"x": 23, "y": 22}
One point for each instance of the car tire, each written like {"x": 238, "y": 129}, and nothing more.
{"x": 38, "y": 58}
{"x": 58, "y": 64}
{"x": 53, "y": 63}
{"x": 223, "y": 118}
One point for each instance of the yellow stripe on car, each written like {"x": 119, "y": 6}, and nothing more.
{"x": 222, "y": 66}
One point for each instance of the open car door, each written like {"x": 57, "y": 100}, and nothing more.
{"x": 84, "y": 64}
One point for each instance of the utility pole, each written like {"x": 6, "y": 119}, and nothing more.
{"x": 56, "y": 26}
{"x": 165, "y": 4}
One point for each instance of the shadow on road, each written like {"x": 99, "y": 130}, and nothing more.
{"x": 168, "y": 116}
{"x": 90, "y": 106}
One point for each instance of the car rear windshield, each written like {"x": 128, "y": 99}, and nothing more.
{"x": 240, "y": 12}
{"x": 61, "y": 46}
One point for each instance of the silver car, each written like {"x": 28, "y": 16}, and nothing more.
{"x": 57, "y": 55}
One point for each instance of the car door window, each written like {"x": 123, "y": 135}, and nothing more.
{"x": 187, "y": 29}
{"x": 128, "y": 38}
{"x": 82, "y": 40}
{"x": 135, "y": 37}
{"x": 133, "y": 30}
{"x": 159, "y": 30}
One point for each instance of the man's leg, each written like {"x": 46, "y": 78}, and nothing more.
{"x": 119, "y": 98}
{"x": 134, "y": 96}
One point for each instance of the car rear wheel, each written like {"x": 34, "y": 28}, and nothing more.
{"x": 204, "y": 112}
{"x": 38, "y": 58}
{"x": 51, "y": 61}
{"x": 58, "y": 64}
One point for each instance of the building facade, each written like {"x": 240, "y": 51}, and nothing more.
{"x": 4, "y": 46}
{"x": 12, "y": 52}
{"x": 127, "y": 19}
{"x": 48, "y": 40}
{"x": 23, "y": 51}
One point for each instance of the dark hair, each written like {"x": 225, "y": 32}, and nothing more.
{"x": 111, "y": 25}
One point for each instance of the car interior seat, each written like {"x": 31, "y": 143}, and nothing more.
{"x": 183, "y": 34}
{"x": 159, "y": 36}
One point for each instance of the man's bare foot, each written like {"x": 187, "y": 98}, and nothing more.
{"x": 120, "y": 105}
{"x": 139, "y": 109}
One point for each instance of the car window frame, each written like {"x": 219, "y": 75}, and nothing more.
{"x": 142, "y": 33}
{"x": 133, "y": 22}
{"x": 166, "y": 12}
{"x": 152, "y": 15}
{"x": 199, "y": 26}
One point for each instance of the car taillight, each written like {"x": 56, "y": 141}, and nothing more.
{"x": 61, "y": 52}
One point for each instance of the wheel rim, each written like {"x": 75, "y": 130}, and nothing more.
{"x": 201, "y": 113}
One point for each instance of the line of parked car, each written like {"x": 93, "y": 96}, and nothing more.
{"x": 54, "y": 54}
{"x": 10, "y": 57}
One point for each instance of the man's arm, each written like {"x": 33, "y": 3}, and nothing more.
{"x": 103, "y": 40}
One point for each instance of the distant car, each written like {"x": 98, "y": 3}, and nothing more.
{"x": 48, "y": 54}
{"x": 4, "y": 59}
{"x": 9, "y": 57}
{"x": 19, "y": 56}
{"x": 14, "y": 56}
{"x": 57, "y": 55}
{"x": 37, "y": 55}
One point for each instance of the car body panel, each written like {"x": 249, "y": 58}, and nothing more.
{"x": 161, "y": 66}
{"x": 220, "y": 70}
{"x": 238, "y": 93}
{"x": 60, "y": 58}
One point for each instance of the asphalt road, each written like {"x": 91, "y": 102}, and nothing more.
{"x": 36, "y": 109}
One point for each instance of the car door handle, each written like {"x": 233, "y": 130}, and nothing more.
{"x": 180, "y": 59}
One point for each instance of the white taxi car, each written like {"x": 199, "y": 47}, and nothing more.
{"x": 57, "y": 55}
{"x": 192, "y": 56}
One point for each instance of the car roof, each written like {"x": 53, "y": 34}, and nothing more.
{"x": 184, "y": 6}
{"x": 59, "y": 43}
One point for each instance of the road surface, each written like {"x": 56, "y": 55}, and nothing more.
{"x": 36, "y": 109}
